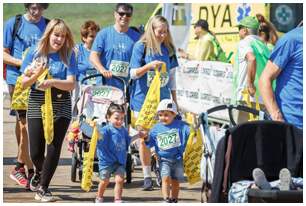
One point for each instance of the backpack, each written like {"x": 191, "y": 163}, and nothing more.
{"x": 17, "y": 24}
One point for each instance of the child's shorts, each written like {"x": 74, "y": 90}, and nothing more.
{"x": 115, "y": 169}
{"x": 172, "y": 168}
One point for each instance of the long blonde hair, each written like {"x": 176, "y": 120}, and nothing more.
{"x": 150, "y": 41}
{"x": 44, "y": 43}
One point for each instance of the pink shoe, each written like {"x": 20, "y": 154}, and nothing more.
{"x": 118, "y": 201}
{"x": 19, "y": 176}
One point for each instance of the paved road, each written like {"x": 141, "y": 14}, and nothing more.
{"x": 66, "y": 191}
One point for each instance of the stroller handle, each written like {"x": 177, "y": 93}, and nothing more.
{"x": 237, "y": 107}
{"x": 103, "y": 78}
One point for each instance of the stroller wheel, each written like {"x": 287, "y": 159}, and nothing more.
{"x": 74, "y": 164}
{"x": 129, "y": 168}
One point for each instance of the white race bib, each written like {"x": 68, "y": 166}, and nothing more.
{"x": 164, "y": 78}
{"x": 102, "y": 92}
{"x": 90, "y": 72}
{"x": 168, "y": 140}
{"x": 119, "y": 68}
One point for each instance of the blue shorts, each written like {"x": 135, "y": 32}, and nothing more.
{"x": 115, "y": 169}
{"x": 172, "y": 168}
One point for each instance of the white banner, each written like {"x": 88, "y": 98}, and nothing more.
{"x": 202, "y": 85}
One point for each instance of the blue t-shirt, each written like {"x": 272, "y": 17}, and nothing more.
{"x": 115, "y": 52}
{"x": 141, "y": 85}
{"x": 113, "y": 145}
{"x": 169, "y": 140}
{"x": 57, "y": 69}
{"x": 84, "y": 67}
{"x": 28, "y": 34}
{"x": 288, "y": 56}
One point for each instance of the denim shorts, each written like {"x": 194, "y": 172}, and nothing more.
{"x": 115, "y": 169}
{"x": 172, "y": 168}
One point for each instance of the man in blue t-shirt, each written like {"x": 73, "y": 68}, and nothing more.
{"x": 31, "y": 27}
{"x": 286, "y": 66}
{"x": 113, "y": 45}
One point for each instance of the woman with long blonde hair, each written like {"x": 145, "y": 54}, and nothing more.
{"x": 153, "y": 49}
{"x": 54, "y": 52}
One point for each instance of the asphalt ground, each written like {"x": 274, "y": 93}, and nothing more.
{"x": 66, "y": 191}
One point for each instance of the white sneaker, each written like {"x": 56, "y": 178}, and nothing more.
{"x": 260, "y": 179}
{"x": 285, "y": 179}
{"x": 44, "y": 195}
{"x": 99, "y": 200}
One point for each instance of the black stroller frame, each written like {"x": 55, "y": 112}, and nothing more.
{"x": 209, "y": 147}
{"x": 83, "y": 143}
{"x": 266, "y": 144}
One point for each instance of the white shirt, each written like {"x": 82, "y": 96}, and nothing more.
{"x": 244, "y": 47}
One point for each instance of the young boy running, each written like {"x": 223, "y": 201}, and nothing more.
{"x": 169, "y": 137}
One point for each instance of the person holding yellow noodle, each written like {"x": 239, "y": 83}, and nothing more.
{"x": 56, "y": 48}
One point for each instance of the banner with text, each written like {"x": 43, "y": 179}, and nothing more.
{"x": 202, "y": 85}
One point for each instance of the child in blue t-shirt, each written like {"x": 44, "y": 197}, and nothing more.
{"x": 112, "y": 150}
{"x": 169, "y": 137}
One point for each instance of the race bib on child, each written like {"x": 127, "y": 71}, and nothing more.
{"x": 119, "y": 68}
{"x": 168, "y": 140}
{"x": 89, "y": 72}
{"x": 164, "y": 78}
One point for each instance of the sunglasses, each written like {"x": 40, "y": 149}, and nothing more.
{"x": 124, "y": 13}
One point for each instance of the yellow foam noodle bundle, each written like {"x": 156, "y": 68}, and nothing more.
{"x": 146, "y": 118}
{"x": 192, "y": 156}
{"x": 89, "y": 161}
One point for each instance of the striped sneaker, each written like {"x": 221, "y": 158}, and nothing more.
{"x": 30, "y": 175}
{"x": 19, "y": 176}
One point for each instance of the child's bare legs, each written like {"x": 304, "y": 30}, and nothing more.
{"x": 175, "y": 188}
{"x": 119, "y": 180}
{"x": 166, "y": 182}
{"x": 102, "y": 186}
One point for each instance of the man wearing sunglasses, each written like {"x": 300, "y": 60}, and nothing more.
{"x": 113, "y": 45}
{"x": 20, "y": 33}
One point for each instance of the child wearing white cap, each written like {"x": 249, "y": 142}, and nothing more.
{"x": 169, "y": 137}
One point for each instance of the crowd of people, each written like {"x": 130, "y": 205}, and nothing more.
{"x": 42, "y": 44}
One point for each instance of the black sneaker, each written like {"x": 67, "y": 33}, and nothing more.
{"x": 34, "y": 183}
{"x": 167, "y": 200}
{"x": 147, "y": 184}
{"x": 173, "y": 200}
{"x": 44, "y": 195}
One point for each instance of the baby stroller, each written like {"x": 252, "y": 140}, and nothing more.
{"x": 93, "y": 105}
{"x": 266, "y": 144}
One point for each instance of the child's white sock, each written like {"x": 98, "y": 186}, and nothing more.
{"x": 146, "y": 171}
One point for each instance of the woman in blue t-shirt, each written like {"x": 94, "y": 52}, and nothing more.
{"x": 153, "y": 49}
{"x": 54, "y": 52}
{"x": 84, "y": 68}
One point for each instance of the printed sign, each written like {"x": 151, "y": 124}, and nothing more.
{"x": 202, "y": 85}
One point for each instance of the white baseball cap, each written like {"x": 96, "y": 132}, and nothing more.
{"x": 167, "y": 105}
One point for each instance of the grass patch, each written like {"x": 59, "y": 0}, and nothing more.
{"x": 75, "y": 14}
